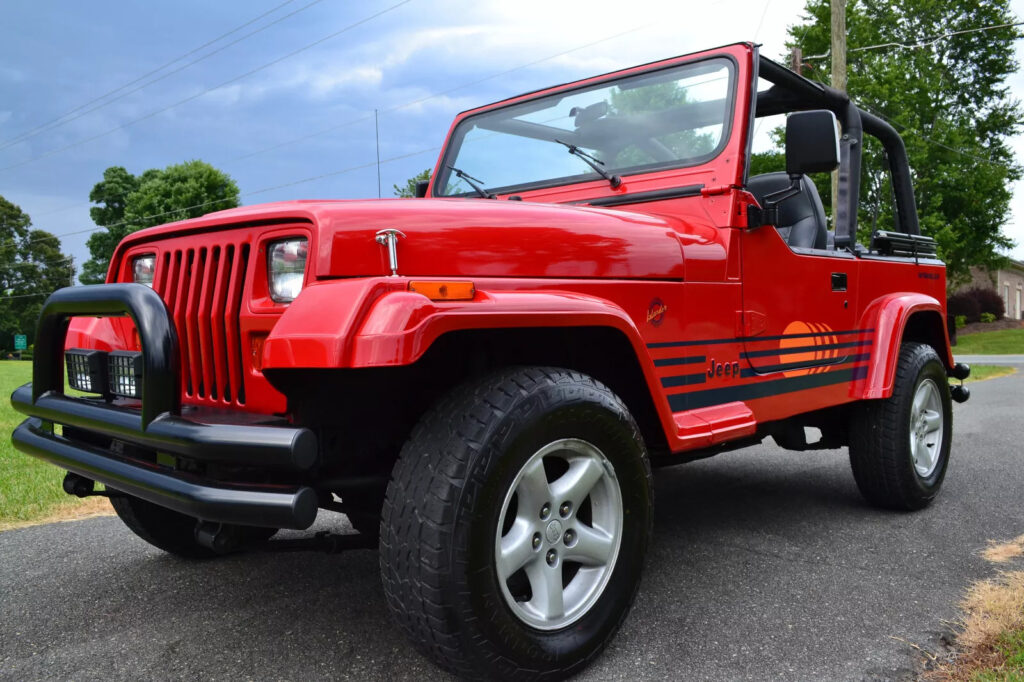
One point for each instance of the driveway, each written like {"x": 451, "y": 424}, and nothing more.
{"x": 765, "y": 565}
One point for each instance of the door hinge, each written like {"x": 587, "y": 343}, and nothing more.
{"x": 716, "y": 190}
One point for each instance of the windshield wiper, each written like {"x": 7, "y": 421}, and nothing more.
{"x": 613, "y": 180}
{"x": 472, "y": 182}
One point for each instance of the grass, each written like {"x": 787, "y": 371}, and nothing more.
{"x": 982, "y": 372}
{"x": 30, "y": 489}
{"x": 990, "y": 641}
{"x": 1001, "y": 342}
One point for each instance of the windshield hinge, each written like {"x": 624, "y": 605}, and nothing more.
{"x": 717, "y": 189}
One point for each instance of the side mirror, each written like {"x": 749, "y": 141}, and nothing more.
{"x": 812, "y": 142}
{"x": 420, "y": 190}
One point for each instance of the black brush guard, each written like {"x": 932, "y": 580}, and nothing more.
{"x": 158, "y": 426}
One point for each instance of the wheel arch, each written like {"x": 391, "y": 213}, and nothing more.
{"x": 896, "y": 319}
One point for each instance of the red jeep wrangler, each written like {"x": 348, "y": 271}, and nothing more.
{"x": 591, "y": 284}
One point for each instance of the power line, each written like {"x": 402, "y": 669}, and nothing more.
{"x": 921, "y": 135}
{"x": 60, "y": 120}
{"x": 924, "y": 137}
{"x": 301, "y": 181}
{"x": 197, "y": 95}
{"x": 362, "y": 166}
{"x": 923, "y": 43}
{"x": 364, "y": 118}
{"x": 442, "y": 93}
{"x": 9, "y": 298}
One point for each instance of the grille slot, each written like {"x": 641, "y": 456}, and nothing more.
{"x": 202, "y": 288}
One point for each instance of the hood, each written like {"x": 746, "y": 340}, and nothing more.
{"x": 464, "y": 238}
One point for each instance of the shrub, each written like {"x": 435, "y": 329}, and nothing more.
{"x": 989, "y": 301}
{"x": 963, "y": 304}
{"x": 988, "y": 317}
{"x": 961, "y": 321}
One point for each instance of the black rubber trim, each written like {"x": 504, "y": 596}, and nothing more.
{"x": 281, "y": 507}
{"x": 644, "y": 197}
{"x": 787, "y": 366}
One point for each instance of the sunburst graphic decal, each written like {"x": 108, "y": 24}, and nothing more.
{"x": 817, "y": 347}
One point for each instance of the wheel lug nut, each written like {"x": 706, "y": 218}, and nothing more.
{"x": 565, "y": 508}
{"x": 545, "y": 511}
{"x": 536, "y": 540}
{"x": 552, "y": 557}
{"x": 569, "y": 537}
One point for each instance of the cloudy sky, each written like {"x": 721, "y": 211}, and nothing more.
{"x": 285, "y": 103}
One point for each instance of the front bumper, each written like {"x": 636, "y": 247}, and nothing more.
{"x": 157, "y": 427}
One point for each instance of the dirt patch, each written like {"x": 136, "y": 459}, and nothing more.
{"x": 76, "y": 511}
{"x": 989, "y": 637}
{"x": 976, "y": 327}
{"x": 994, "y": 611}
{"x": 1001, "y": 552}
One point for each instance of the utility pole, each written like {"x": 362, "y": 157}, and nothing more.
{"x": 838, "y": 76}
{"x": 796, "y": 61}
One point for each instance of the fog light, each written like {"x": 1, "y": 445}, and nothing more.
{"x": 125, "y": 369}
{"x": 86, "y": 370}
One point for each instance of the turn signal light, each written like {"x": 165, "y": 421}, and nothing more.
{"x": 444, "y": 291}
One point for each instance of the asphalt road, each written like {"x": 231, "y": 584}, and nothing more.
{"x": 766, "y": 564}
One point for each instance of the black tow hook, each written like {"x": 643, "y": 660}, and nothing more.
{"x": 960, "y": 393}
{"x": 80, "y": 486}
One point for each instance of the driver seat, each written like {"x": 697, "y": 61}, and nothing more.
{"x": 802, "y": 221}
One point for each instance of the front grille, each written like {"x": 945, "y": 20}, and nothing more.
{"x": 202, "y": 287}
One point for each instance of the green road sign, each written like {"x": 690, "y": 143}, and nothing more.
{"x": 20, "y": 342}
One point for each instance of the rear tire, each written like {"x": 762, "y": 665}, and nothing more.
{"x": 480, "y": 581}
{"x": 899, "y": 446}
{"x": 173, "y": 532}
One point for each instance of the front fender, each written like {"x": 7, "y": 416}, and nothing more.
{"x": 888, "y": 316}
{"x": 378, "y": 323}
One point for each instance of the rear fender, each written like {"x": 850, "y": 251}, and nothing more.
{"x": 892, "y": 317}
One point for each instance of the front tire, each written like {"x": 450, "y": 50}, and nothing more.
{"x": 899, "y": 446}
{"x": 516, "y": 524}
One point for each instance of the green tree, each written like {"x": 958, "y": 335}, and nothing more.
{"x": 949, "y": 100}
{"x": 128, "y": 203}
{"x": 32, "y": 267}
{"x": 652, "y": 98}
{"x": 111, "y": 194}
{"x": 409, "y": 188}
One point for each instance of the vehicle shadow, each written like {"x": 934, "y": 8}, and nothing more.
{"x": 723, "y": 528}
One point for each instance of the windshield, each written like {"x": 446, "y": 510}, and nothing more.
{"x": 663, "y": 119}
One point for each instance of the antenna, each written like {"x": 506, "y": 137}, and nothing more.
{"x": 376, "y": 129}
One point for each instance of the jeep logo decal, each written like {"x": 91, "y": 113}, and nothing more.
{"x": 726, "y": 369}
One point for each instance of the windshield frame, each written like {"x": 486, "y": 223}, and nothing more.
{"x": 465, "y": 124}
